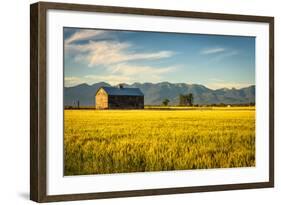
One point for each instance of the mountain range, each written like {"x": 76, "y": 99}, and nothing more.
{"x": 155, "y": 93}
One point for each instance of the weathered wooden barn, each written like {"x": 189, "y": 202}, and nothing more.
{"x": 119, "y": 98}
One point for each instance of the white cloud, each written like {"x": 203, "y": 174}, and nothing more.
{"x": 111, "y": 79}
{"x": 118, "y": 59}
{"x": 218, "y": 53}
{"x": 112, "y": 52}
{"x": 71, "y": 81}
{"x": 123, "y": 73}
{"x": 212, "y": 51}
{"x": 225, "y": 55}
{"x": 139, "y": 73}
{"x": 129, "y": 70}
{"x": 229, "y": 85}
{"x": 84, "y": 35}
{"x": 216, "y": 80}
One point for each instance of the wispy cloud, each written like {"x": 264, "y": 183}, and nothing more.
{"x": 112, "y": 52}
{"x": 123, "y": 73}
{"x": 111, "y": 79}
{"x": 218, "y": 53}
{"x": 207, "y": 51}
{"x": 122, "y": 62}
{"x": 129, "y": 70}
{"x": 225, "y": 55}
{"x": 84, "y": 35}
{"x": 216, "y": 80}
{"x": 71, "y": 81}
{"x": 219, "y": 83}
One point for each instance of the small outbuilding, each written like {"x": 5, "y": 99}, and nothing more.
{"x": 119, "y": 98}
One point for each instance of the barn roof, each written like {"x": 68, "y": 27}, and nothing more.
{"x": 123, "y": 91}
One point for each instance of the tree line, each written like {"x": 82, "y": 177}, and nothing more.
{"x": 184, "y": 100}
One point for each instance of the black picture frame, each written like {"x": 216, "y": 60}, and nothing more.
{"x": 38, "y": 103}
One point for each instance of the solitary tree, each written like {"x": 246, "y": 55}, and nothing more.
{"x": 78, "y": 104}
{"x": 166, "y": 102}
{"x": 190, "y": 99}
{"x": 186, "y": 99}
{"x": 183, "y": 99}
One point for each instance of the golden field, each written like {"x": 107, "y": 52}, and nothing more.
{"x": 116, "y": 141}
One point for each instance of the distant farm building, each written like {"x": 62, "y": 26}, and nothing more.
{"x": 119, "y": 98}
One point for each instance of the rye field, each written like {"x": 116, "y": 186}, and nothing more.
{"x": 121, "y": 141}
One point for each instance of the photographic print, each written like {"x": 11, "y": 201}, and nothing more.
{"x": 129, "y": 102}
{"x": 140, "y": 101}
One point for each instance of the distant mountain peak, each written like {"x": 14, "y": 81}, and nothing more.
{"x": 100, "y": 83}
{"x": 82, "y": 85}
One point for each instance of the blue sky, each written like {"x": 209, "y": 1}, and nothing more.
{"x": 216, "y": 61}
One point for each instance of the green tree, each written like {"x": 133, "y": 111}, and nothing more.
{"x": 166, "y": 102}
{"x": 190, "y": 99}
{"x": 183, "y": 99}
{"x": 186, "y": 99}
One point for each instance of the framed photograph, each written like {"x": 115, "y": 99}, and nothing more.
{"x": 135, "y": 102}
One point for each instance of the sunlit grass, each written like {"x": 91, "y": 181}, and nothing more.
{"x": 114, "y": 141}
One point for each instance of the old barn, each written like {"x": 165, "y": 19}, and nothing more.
{"x": 119, "y": 98}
